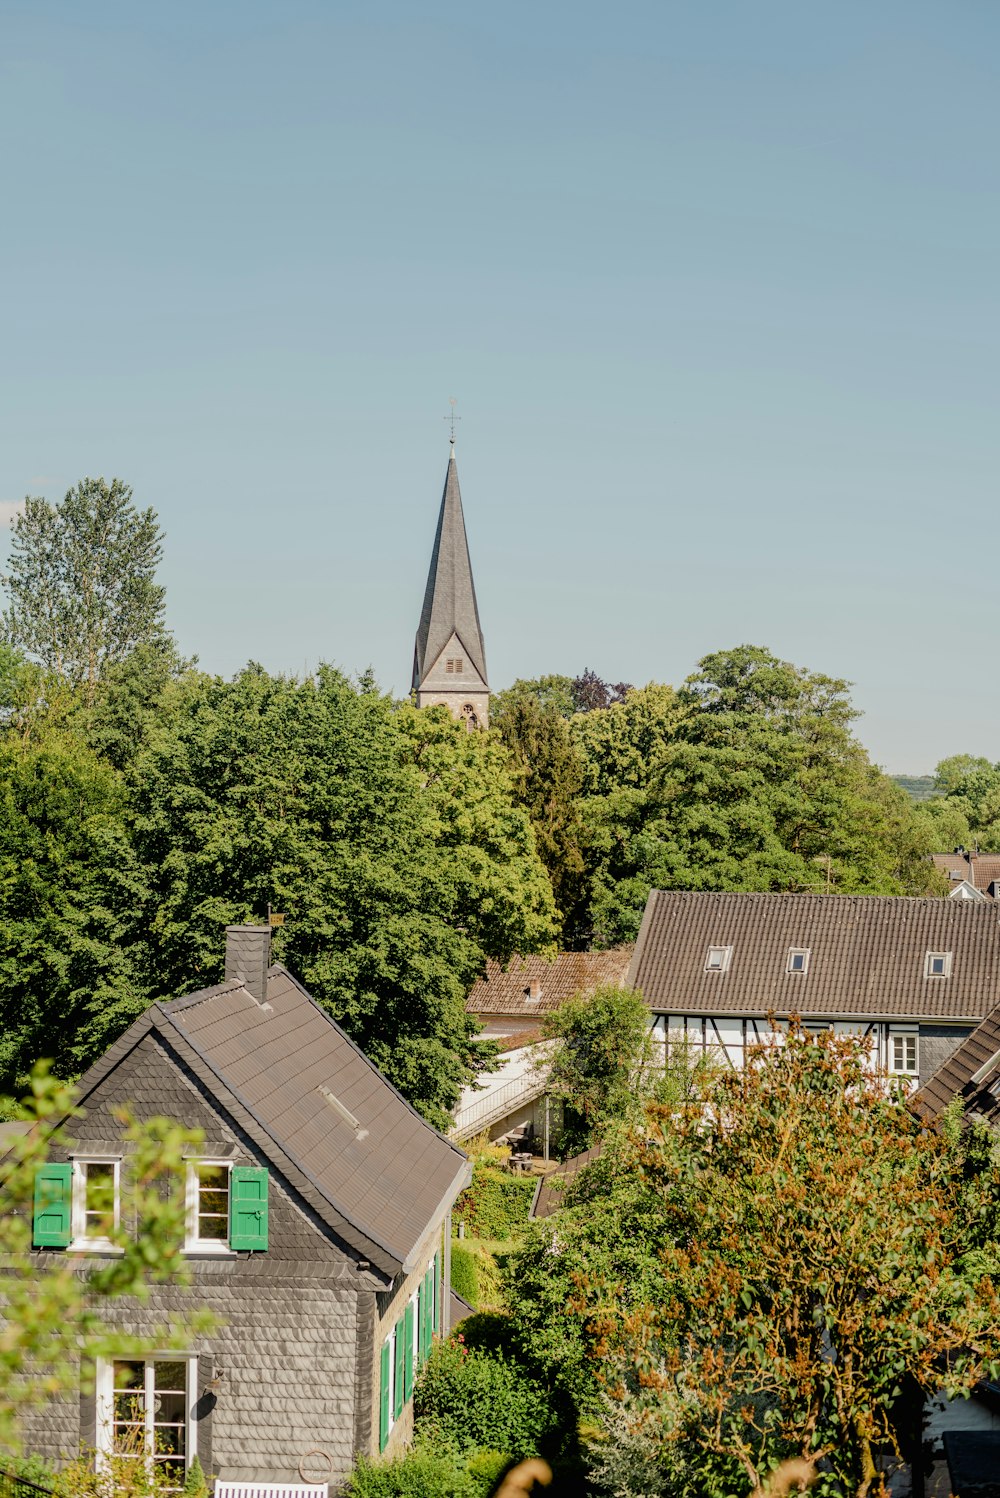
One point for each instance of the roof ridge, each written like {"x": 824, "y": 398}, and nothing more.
{"x": 202, "y": 995}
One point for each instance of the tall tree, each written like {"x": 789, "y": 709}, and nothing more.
{"x": 387, "y": 836}
{"x": 81, "y": 583}
{"x": 547, "y": 771}
{"x": 750, "y": 779}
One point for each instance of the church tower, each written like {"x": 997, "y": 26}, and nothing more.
{"x": 449, "y": 661}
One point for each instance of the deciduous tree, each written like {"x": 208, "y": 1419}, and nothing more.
{"x": 81, "y": 585}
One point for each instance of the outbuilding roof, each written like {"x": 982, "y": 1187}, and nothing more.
{"x": 536, "y": 985}
{"x": 315, "y": 1106}
{"x": 972, "y": 1073}
{"x": 867, "y": 955}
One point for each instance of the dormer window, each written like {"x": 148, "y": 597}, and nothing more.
{"x": 937, "y": 965}
{"x": 718, "y": 959}
{"x": 454, "y": 665}
{"x": 798, "y": 960}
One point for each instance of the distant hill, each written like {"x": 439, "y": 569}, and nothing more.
{"x": 917, "y": 787}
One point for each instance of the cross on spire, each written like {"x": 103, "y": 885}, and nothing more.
{"x": 452, "y": 418}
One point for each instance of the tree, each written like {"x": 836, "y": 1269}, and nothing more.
{"x": 73, "y": 973}
{"x": 81, "y": 586}
{"x": 386, "y": 835}
{"x": 749, "y": 780}
{"x": 52, "y": 1318}
{"x": 821, "y": 1258}
{"x": 600, "y": 1063}
{"x": 547, "y": 771}
{"x": 590, "y": 692}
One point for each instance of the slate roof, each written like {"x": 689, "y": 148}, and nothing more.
{"x": 977, "y": 1057}
{"x": 321, "y": 1113}
{"x": 450, "y": 597}
{"x": 507, "y": 990}
{"x": 867, "y": 955}
{"x": 980, "y": 869}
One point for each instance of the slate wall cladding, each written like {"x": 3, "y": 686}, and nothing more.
{"x": 937, "y": 1043}
{"x": 294, "y": 1316}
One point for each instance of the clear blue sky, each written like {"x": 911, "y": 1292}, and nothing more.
{"x": 715, "y": 285}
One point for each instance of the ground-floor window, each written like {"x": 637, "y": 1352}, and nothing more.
{"x": 144, "y": 1414}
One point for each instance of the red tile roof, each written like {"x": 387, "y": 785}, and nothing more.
{"x": 866, "y": 955}
{"x": 509, "y": 990}
{"x": 980, "y": 869}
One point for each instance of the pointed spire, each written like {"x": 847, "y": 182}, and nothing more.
{"x": 450, "y": 606}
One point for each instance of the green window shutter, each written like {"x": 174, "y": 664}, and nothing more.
{"x": 248, "y": 1207}
{"x": 421, "y": 1326}
{"x": 53, "y": 1214}
{"x": 383, "y": 1404}
{"x": 429, "y": 1303}
{"x": 436, "y": 1309}
{"x": 408, "y": 1350}
{"x": 397, "y": 1401}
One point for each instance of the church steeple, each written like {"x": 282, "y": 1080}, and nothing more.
{"x": 449, "y": 661}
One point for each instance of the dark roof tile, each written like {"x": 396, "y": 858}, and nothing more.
{"x": 867, "y": 955}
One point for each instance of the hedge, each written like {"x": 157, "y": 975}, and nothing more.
{"x": 495, "y": 1204}
{"x": 464, "y": 1274}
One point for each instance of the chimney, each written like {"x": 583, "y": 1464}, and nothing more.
{"x": 248, "y": 955}
{"x": 533, "y": 992}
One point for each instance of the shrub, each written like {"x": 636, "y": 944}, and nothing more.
{"x": 495, "y": 1204}
{"x": 421, "y": 1473}
{"x": 464, "y": 1274}
{"x": 195, "y": 1485}
{"x": 470, "y": 1399}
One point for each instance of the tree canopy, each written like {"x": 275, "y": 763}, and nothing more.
{"x": 81, "y": 585}
{"x": 811, "y": 1262}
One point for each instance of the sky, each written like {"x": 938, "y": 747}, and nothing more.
{"x": 714, "y": 285}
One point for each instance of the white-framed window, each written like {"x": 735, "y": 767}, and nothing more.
{"x": 903, "y": 1053}
{"x": 207, "y": 1202}
{"x": 937, "y": 965}
{"x": 718, "y": 959}
{"x": 145, "y": 1413}
{"x": 415, "y": 1349}
{"x": 96, "y": 1209}
{"x": 798, "y": 959}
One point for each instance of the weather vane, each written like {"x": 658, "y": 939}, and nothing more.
{"x": 452, "y": 418}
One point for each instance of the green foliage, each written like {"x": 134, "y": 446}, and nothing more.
{"x": 817, "y": 1252}
{"x": 470, "y": 1399}
{"x": 495, "y": 1204}
{"x": 750, "y": 779}
{"x": 54, "y": 1317}
{"x": 605, "y": 1240}
{"x": 464, "y": 1273}
{"x": 388, "y": 837}
{"x": 917, "y": 787}
{"x": 600, "y": 1065}
{"x": 965, "y": 812}
{"x": 195, "y": 1485}
{"x": 548, "y": 774}
{"x": 81, "y": 588}
{"x": 428, "y": 1471}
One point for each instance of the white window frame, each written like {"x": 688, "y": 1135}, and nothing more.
{"x": 726, "y": 957}
{"x": 932, "y": 957}
{"x": 192, "y": 1243}
{"x": 899, "y": 1033}
{"x": 105, "y": 1402}
{"x": 802, "y": 952}
{"x": 84, "y": 1242}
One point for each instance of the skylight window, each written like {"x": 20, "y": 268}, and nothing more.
{"x": 718, "y": 959}
{"x": 937, "y": 965}
{"x": 798, "y": 959}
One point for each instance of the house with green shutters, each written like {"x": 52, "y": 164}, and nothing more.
{"x": 317, "y": 1232}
